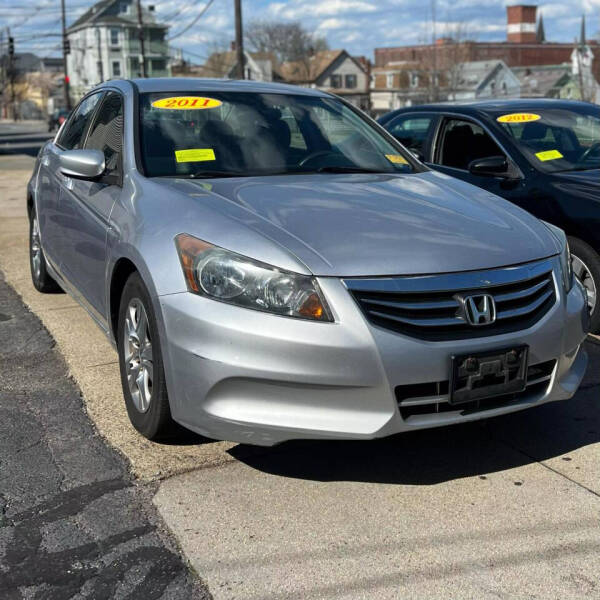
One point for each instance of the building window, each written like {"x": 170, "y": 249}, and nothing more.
{"x": 124, "y": 8}
{"x": 350, "y": 81}
{"x": 414, "y": 79}
{"x": 114, "y": 37}
{"x": 336, "y": 81}
{"x": 116, "y": 68}
{"x": 504, "y": 88}
{"x": 159, "y": 64}
{"x": 390, "y": 80}
{"x": 492, "y": 87}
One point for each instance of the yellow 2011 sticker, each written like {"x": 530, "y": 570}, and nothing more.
{"x": 187, "y": 103}
{"x": 397, "y": 159}
{"x": 194, "y": 155}
{"x": 518, "y": 118}
{"x": 548, "y": 155}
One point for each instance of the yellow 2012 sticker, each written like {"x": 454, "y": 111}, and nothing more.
{"x": 548, "y": 155}
{"x": 397, "y": 159}
{"x": 518, "y": 118}
{"x": 194, "y": 155}
{"x": 187, "y": 103}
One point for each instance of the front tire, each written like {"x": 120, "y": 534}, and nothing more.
{"x": 586, "y": 265}
{"x": 40, "y": 277}
{"x": 140, "y": 360}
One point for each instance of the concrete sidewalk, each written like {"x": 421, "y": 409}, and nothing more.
{"x": 506, "y": 508}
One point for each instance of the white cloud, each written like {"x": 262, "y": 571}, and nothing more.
{"x": 304, "y": 8}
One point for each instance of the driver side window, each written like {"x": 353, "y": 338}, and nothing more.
{"x": 106, "y": 132}
{"x": 72, "y": 136}
{"x": 464, "y": 142}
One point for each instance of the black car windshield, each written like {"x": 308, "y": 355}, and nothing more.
{"x": 556, "y": 139}
{"x": 220, "y": 134}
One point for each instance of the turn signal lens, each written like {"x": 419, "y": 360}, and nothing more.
{"x": 229, "y": 277}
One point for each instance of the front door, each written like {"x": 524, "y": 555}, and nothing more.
{"x": 461, "y": 141}
{"x": 90, "y": 204}
{"x": 53, "y": 220}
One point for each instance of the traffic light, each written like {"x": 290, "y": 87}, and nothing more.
{"x": 11, "y": 46}
{"x": 67, "y": 46}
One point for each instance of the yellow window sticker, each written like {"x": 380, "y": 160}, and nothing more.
{"x": 518, "y": 118}
{"x": 397, "y": 159}
{"x": 548, "y": 155}
{"x": 194, "y": 155}
{"x": 187, "y": 103}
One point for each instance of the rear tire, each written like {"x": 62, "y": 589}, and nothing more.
{"x": 140, "y": 360}
{"x": 586, "y": 265}
{"x": 41, "y": 279}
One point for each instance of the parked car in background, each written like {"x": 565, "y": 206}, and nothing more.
{"x": 57, "y": 118}
{"x": 270, "y": 265}
{"x": 543, "y": 155}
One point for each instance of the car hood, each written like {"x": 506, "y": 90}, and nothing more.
{"x": 369, "y": 225}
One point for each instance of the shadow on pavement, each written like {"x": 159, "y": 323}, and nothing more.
{"x": 447, "y": 453}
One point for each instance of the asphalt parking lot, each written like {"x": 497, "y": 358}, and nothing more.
{"x": 506, "y": 508}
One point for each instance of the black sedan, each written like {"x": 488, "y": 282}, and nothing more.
{"x": 543, "y": 155}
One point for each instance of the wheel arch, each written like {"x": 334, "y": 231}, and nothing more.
{"x": 121, "y": 272}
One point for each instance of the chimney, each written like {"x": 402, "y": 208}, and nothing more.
{"x": 521, "y": 27}
{"x": 232, "y": 46}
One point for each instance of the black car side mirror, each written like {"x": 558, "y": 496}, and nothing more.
{"x": 492, "y": 166}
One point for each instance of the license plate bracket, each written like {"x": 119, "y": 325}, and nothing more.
{"x": 488, "y": 374}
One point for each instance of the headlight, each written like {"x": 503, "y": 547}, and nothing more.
{"x": 565, "y": 256}
{"x": 229, "y": 277}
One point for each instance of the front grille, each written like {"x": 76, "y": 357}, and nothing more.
{"x": 432, "y": 398}
{"x": 427, "y": 307}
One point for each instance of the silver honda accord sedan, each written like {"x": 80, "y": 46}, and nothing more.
{"x": 270, "y": 264}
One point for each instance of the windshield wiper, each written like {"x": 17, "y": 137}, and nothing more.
{"x": 348, "y": 169}
{"x": 210, "y": 173}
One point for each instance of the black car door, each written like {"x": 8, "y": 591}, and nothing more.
{"x": 461, "y": 140}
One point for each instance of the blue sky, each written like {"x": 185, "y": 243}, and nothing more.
{"x": 357, "y": 25}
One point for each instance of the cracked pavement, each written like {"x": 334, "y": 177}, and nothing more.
{"x": 72, "y": 521}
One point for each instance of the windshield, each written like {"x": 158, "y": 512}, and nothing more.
{"x": 221, "y": 134}
{"x": 556, "y": 139}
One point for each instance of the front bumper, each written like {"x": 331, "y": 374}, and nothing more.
{"x": 246, "y": 376}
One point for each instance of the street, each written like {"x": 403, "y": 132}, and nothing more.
{"x": 504, "y": 508}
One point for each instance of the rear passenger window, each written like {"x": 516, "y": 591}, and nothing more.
{"x": 412, "y": 132}
{"x": 106, "y": 132}
{"x": 464, "y": 142}
{"x": 72, "y": 136}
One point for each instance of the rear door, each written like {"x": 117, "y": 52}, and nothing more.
{"x": 54, "y": 222}
{"x": 90, "y": 204}
{"x": 415, "y": 132}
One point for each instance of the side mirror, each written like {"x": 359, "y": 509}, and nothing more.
{"x": 82, "y": 164}
{"x": 492, "y": 166}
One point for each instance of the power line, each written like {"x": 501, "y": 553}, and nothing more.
{"x": 206, "y": 7}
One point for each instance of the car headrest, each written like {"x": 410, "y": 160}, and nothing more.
{"x": 534, "y": 131}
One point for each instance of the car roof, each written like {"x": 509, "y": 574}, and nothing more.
{"x": 192, "y": 84}
{"x": 484, "y": 106}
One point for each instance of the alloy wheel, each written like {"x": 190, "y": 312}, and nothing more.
{"x": 138, "y": 355}
{"x": 584, "y": 275}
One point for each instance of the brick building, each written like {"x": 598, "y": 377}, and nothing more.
{"x": 524, "y": 46}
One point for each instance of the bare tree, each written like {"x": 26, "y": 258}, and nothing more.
{"x": 287, "y": 41}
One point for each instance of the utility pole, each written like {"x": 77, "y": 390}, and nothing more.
{"x": 239, "y": 39}
{"x": 434, "y": 76}
{"x": 66, "y": 50}
{"x": 142, "y": 41}
{"x": 12, "y": 73}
